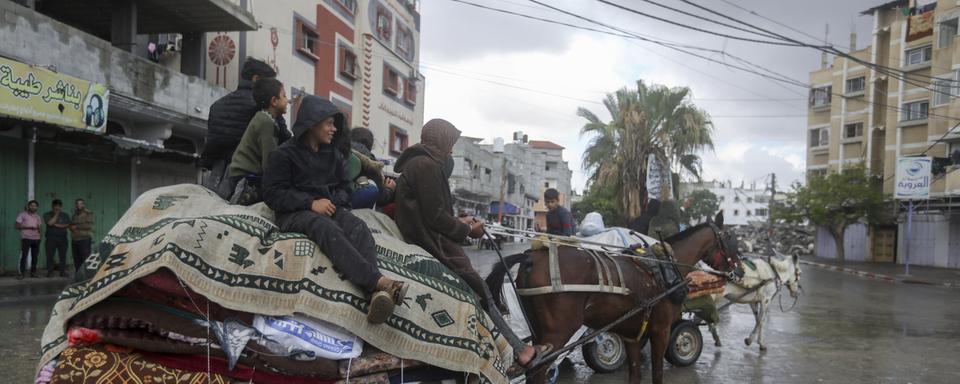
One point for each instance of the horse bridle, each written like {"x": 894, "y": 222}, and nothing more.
{"x": 722, "y": 254}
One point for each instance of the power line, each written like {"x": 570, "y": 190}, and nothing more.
{"x": 735, "y": 5}
{"x": 695, "y": 28}
{"x": 776, "y": 77}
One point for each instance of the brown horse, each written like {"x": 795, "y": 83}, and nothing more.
{"x": 555, "y": 317}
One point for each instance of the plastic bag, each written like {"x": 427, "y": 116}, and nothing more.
{"x": 591, "y": 225}
{"x": 301, "y": 333}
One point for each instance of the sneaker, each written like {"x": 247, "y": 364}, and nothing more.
{"x": 50, "y": 273}
{"x": 20, "y": 277}
{"x": 34, "y": 275}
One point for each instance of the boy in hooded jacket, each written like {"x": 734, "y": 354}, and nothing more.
{"x": 424, "y": 215}
{"x": 306, "y": 183}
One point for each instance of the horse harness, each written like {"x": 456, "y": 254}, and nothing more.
{"x": 605, "y": 283}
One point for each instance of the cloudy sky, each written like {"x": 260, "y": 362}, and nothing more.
{"x": 492, "y": 74}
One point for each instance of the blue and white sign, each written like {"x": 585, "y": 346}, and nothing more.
{"x": 913, "y": 178}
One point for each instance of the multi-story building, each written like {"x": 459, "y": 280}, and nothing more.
{"x": 361, "y": 54}
{"x": 519, "y": 171}
{"x": 93, "y": 107}
{"x": 904, "y": 105}
{"x": 740, "y": 205}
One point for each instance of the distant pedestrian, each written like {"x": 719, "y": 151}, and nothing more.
{"x": 57, "y": 222}
{"x": 81, "y": 231}
{"x": 28, "y": 223}
{"x": 559, "y": 219}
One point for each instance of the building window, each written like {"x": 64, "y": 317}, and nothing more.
{"x": 736, "y": 199}
{"x": 736, "y": 212}
{"x": 348, "y": 63}
{"x": 409, "y": 92}
{"x": 384, "y": 23}
{"x": 948, "y": 30}
{"x": 820, "y": 97}
{"x": 918, "y": 55}
{"x": 391, "y": 80}
{"x": 398, "y": 140}
{"x": 404, "y": 40}
{"x": 747, "y": 212}
{"x": 349, "y": 5}
{"x": 942, "y": 89}
{"x": 307, "y": 41}
{"x": 546, "y": 185}
{"x": 761, "y": 211}
{"x": 916, "y": 110}
{"x": 819, "y": 137}
{"x": 820, "y": 172}
{"x": 856, "y": 84}
{"x": 852, "y": 130}
{"x": 749, "y": 200}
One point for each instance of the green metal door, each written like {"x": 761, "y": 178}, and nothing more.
{"x": 103, "y": 184}
{"x": 13, "y": 198}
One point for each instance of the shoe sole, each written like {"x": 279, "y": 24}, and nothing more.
{"x": 381, "y": 307}
{"x": 402, "y": 294}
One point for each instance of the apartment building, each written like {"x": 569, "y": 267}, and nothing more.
{"x": 741, "y": 205}
{"x": 100, "y": 108}
{"x": 905, "y": 105}
{"x": 363, "y": 55}
{"x": 520, "y": 170}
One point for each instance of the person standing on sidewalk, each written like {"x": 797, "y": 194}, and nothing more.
{"x": 28, "y": 223}
{"x": 56, "y": 235}
{"x": 81, "y": 231}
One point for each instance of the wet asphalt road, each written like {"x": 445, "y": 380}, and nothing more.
{"x": 845, "y": 330}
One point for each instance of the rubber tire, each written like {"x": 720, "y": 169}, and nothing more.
{"x": 691, "y": 333}
{"x": 592, "y": 354}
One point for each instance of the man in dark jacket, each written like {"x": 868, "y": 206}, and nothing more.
{"x": 306, "y": 184}
{"x": 642, "y": 223}
{"x": 228, "y": 119}
{"x": 424, "y": 214}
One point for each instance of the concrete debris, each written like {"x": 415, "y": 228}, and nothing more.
{"x": 787, "y": 238}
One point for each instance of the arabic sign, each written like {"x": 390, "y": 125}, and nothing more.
{"x": 654, "y": 177}
{"x": 913, "y": 178}
{"x": 38, "y": 94}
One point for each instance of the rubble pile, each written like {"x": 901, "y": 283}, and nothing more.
{"x": 787, "y": 238}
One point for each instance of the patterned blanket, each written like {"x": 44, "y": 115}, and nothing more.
{"x": 238, "y": 258}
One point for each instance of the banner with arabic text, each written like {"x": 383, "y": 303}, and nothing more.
{"x": 38, "y": 94}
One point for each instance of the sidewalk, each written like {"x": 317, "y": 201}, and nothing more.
{"x": 944, "y": 277}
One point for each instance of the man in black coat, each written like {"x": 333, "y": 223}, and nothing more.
{"x": 306, "y": 183}
{"x": 230, "y": 115}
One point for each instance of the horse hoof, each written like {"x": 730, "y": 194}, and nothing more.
{"x": 718, "y": 344}
{"x": 748, "y": 341}
{"x": 763, "y": 348}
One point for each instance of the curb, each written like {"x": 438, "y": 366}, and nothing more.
{"x": 877, "y": 276}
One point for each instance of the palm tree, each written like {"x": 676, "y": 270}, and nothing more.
{"x": 655, "y": 120}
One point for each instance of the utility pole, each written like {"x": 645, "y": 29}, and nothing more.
{"x": 503, "y": 187}
{"x": 773, "y": 196}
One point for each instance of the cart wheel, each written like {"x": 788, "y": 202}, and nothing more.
{"x": 606, "y": 353}
{"x": 686, "y": 343}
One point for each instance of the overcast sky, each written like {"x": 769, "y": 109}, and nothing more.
{"x": 492, "y": 74}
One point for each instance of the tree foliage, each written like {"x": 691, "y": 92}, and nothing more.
{"x": 836, "y": 201}
{"x": 700, "y": 205}
{"x": 601, "y": 199}
{"x": 655, "y": 120}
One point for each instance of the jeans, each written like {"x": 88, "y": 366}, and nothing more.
{"x": 29, "y": 249}
{"x": 81, "y": 251}
{"x": 344, "y": 238}
{"x": 365, "y": 197}
{"x": 56, "y": 245}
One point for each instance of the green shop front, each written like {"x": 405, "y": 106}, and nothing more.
{"x": 53, "y": 146}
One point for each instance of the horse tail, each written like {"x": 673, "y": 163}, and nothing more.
{"x": 495, "y": 279}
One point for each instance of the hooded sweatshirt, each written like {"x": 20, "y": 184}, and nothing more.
{"x": 424, "y": 206}
{"x": 296, "y": 175}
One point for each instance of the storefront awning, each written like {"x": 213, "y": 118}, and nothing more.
{"x": 509, "y": 209}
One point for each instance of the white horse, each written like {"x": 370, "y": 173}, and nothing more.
{"x": 759, "y": 285}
